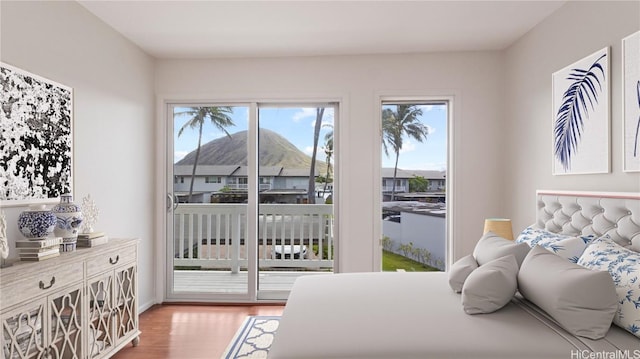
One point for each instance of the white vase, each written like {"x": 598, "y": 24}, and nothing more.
{"x": 69, "y": 218}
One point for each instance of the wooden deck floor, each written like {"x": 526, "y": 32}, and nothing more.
{"x": 208, "y": 281}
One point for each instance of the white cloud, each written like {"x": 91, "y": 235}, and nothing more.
{"x": 327, "y": 119}
{"x": 432, "y": 130}
{"x": 436, "y": 107}
{"x": 426, "y": 108}
{"x": 407, "y": 146}
{"x": 310, "y": 112}
{"x": 320, "y": 155}
{"x": 308, "y": 150}
{"x": 429, "y": 166}
{"x": 305, "y": 113}
{"x": 178, "y": 155}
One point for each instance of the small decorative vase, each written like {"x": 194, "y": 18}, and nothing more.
{"x": 36, "y": 223}
{"x": 69, "y": 218}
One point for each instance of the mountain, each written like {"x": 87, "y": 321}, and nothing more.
{"x": 275, "y": 150}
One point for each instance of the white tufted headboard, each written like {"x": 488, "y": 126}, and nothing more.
{"x": 571, "y": 212}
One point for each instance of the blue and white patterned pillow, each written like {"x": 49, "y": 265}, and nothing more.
{"x": 532, "y": 236}
{"x": 624, "y": 267}
{"x": 563, "y": 245}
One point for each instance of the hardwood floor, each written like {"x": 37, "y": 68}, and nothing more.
{"x": 190, "y": 331}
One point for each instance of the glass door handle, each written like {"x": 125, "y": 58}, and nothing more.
{"x": 172, "y": 201}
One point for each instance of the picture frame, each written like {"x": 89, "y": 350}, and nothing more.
{"x": 581, "y": 116}
{"x": 4, "y": 241}
{"x": 36, "y": 123}
{"x": 631, "y": 102}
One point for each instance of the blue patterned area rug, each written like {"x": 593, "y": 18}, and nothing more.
{"x": 253, "y": 339}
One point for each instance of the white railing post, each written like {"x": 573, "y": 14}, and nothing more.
{"x": 235, "y": 242}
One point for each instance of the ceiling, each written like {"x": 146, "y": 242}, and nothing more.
{"x": 267, "y": 28}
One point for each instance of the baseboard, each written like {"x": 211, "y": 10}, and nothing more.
{"x": 145, "y": 306}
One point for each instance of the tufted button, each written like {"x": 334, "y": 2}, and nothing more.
{"x": 629, "y": 213}
{"x": 580, "y": 208}
{"x": 615, "y": 225}
{"x": 602, "y": 210}
{"x": 590, "y": 222}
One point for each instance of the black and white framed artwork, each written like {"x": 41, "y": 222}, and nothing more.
{"x": 631, "y": 101}
{"x": 581, "y": 116}
{"x": 36, "y": 138}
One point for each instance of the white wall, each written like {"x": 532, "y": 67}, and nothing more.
{"x": 424, "y": 231}
{"x": 475, "y": 80}
{"x": 498, "y": 95}
{"x": 114, "y": 112}
{"x": 573, "y": 32}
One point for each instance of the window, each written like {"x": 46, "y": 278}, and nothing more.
{"x": 414, "y": 162}
{"x": 213, "y": 179}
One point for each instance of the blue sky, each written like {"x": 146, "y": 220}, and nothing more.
{"x": 296, "y": 124}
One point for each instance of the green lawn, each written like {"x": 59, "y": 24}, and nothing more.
{"x": 392, "y": 261}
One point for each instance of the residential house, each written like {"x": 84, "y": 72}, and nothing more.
{"x": 500, "y": 93}
{"x": 275, "y": 183}
{"x": 437, "y": 179}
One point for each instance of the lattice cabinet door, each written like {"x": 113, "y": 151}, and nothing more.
{"x": 79, "y": 305}
{"x": 126, "y": 302}
{"x": 23, "y": 336}
{"x": 65, "y": 324}
{"x": 101, "y": 330}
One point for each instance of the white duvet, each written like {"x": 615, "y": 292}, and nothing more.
{"x": 416, "y": 315}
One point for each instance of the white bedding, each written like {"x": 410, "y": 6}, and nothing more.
{"x": 415, "y": 315}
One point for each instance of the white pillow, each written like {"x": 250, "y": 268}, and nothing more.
{"x": 491, "y": 286}
{"x": 491, "y": 246}
{"x": 581, "y": 300}
{"x": 460, "y": 270}
{"x": 624, "y": 267}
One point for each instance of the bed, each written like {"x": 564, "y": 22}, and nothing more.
{"x": 418, "y": 315}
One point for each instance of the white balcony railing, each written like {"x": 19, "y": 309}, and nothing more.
{"x": 215, "y": 236}
{"x": 399, "y": 189}
{"x": 245, "y": 187}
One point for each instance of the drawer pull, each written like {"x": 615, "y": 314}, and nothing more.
{"x": 41, "y": 284}
{"x": 116, "y": 261}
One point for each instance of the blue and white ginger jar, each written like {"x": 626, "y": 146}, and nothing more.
{"x": 69, "y": 218}
{"x": 36, "y": 223}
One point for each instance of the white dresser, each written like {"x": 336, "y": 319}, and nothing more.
{"x": 82, "y": 304}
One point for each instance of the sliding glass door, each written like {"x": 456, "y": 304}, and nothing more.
{"x": 295, "y": 224}
{"x": 249, "y": 199}
{"x": 209, "y": 195}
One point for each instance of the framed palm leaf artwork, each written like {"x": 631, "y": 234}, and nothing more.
{"x": 581, "y": 116}
{"x": 36, "y": 117}
{"x": 631, "y": 101}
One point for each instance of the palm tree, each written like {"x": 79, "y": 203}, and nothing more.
{"x": 397, "y": 124}
{"x": 219, "y": 117}
{"x": 311, "y": 193}
{"x": 328, "y": 151}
